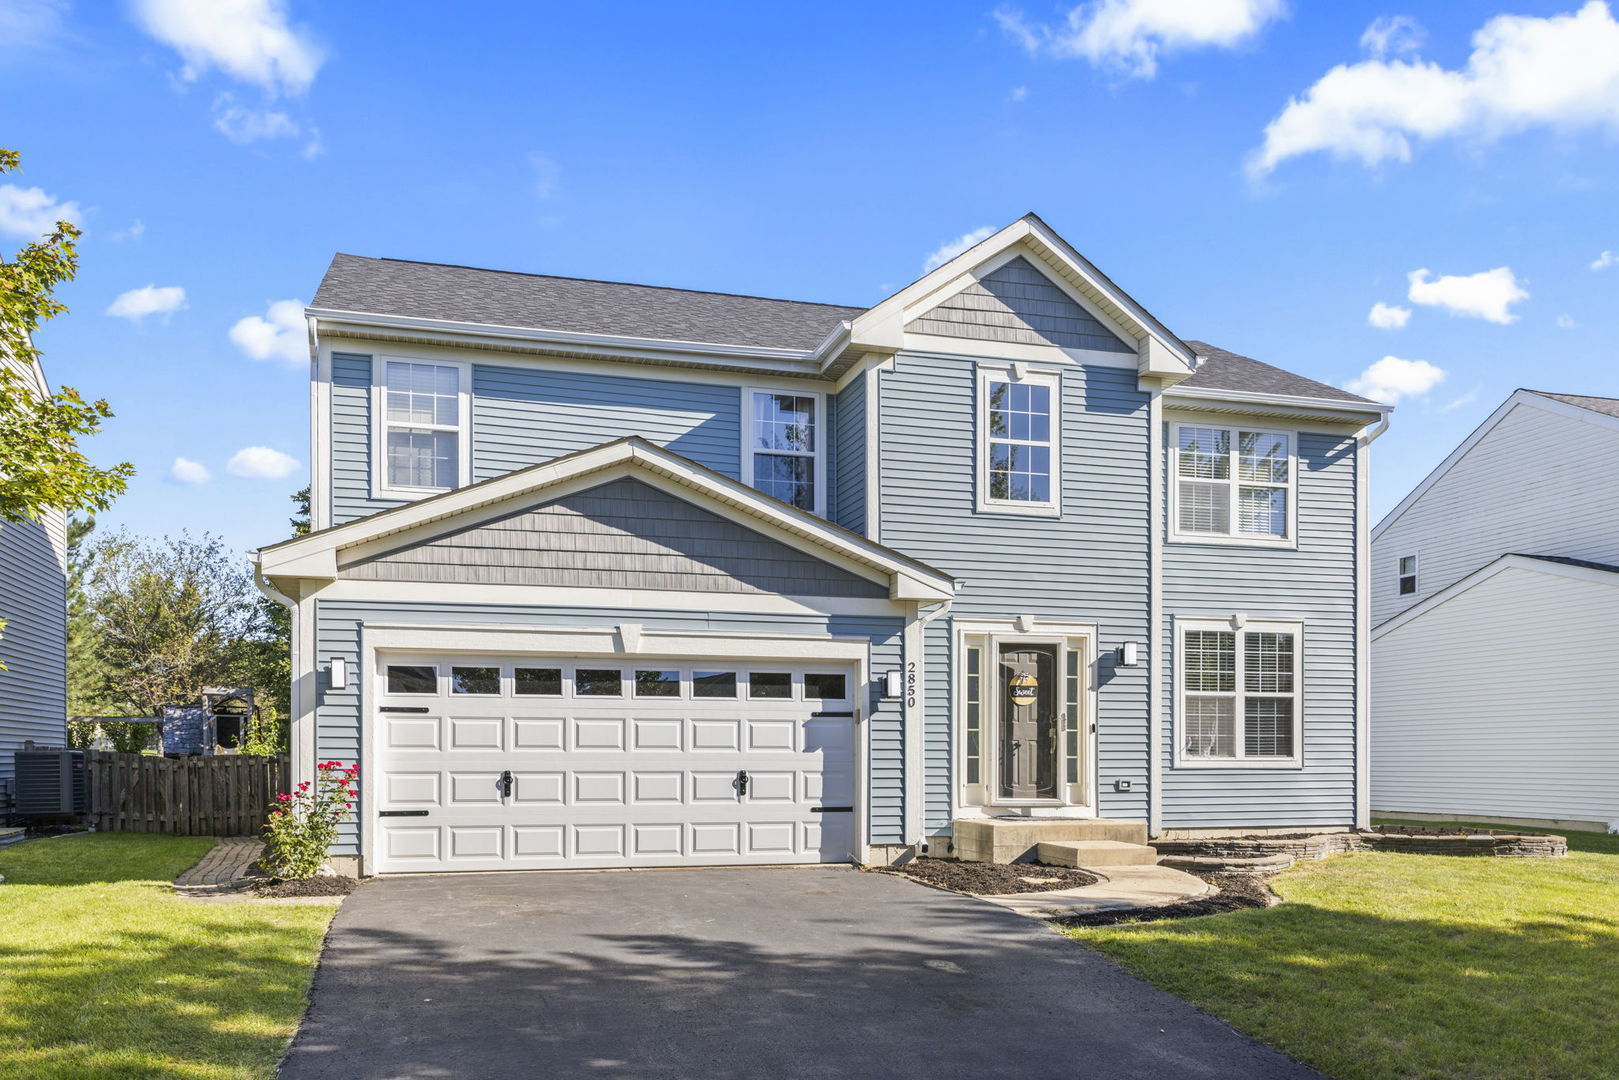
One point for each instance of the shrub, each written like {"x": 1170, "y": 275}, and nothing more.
{"x": 302, "y": 829}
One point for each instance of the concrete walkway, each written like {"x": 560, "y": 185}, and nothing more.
{"x": 1122, "y": 887}
{"x": 758, "y": 974}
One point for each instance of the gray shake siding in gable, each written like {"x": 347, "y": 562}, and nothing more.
{"x": 1088, "y": 566}
{"x": 1017, "y": 303}
{"x": 339, "y": 633}
{"x": 620, "y": 535}
{"x": 521, "y": 416}
{"x": 1314, "y": 584}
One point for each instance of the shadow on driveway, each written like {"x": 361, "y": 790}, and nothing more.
{"x": 756, "y": 974}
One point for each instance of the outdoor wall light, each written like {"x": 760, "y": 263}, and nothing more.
{"x": 893, "y": 683}
{"x": 1127, "y": 654}
{"x": 339, "y": 673}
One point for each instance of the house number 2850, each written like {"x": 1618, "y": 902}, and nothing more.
{"x": 910, "y": 685}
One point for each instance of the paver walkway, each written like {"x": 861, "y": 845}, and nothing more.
{"x": 224, "y": 865}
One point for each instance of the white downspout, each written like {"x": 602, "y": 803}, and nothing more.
{"x": 1363, "y": 631}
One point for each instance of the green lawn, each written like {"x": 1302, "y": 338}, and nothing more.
{"x": 105, "y": 972}
{"x": 1410, "y": 965}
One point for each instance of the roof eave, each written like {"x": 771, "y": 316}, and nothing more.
{"x": 1348, "y": 410}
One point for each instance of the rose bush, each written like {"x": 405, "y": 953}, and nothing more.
{"x": 303, "y": 827}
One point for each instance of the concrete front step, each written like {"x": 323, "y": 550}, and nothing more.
{"x": 1014, "y": 839}
{"x": 1093, "y": 854}
{"x": 11, "y": 836}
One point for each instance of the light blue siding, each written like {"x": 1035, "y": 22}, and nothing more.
{"x": 1091, "y": 565}
{"x": 1316, "y": 585}
{"x": 847, "y": 468}
{"x": 521, "y": 416}
{"x": 339, "y": 631}
{"x": 33, "y": 642}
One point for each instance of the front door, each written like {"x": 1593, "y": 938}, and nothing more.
{"x": 1029, "y": 721}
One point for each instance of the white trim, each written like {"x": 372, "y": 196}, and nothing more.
{"x": 320, "y": 434}
{"x": 817, "y": 454}
{"x": 1518, "y": 397}
{"x": 1363, "y": 640}
{"x": 1196, "y": 397}
{"x": 380, "y": 488}
{"x": 1155, "y": 613}
{"x": 564, "y": 596}
{"x": 913, "y": 705}
{"x": 609, "y": 641}
{"x": 984, "y": 503}
{"x": 1239, "y": 625}
{"x": 873, "y": 375}
{"x": 1234, "y": 485}
{"x": 1489, "y": 570}
{"x": 316, "y": 555}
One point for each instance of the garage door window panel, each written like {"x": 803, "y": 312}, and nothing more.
{"x": 713, "y": 684}
{"x": 598, "y": 682}
{"x": 770, "y": 685}
{"x": 483, "y": 681}
{"x": 830, "y": 687}
{"x": 412, "y": 679}
{"x": 657, "y": 684}
{"x": 537, "y": 682}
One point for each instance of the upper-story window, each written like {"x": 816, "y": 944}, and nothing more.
{"x": 423, "y": 426}
{"x": 1408, "y": 574}
{"x": 1018, "y": 442}
{"x": 784, "y": 450}
{"x": 1233, "y": 482}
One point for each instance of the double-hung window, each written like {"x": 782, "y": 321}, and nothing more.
{"x": 1239, "y": 692}
{"x": 1408, "y": 574}
{"x": 1233, "y": 482}
{"x": 423, "y": 421}
{"x": 785, "y": 447}
{"x": 1019, "y": 454}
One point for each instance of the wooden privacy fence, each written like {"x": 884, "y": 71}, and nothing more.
{"x": 227, "y": 795}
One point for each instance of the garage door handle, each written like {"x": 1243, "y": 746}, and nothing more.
{"x": 506, "y": 784}
{"x": 742, "y": 779}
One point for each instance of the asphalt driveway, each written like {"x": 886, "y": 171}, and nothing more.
{"x": 756, "y": 974}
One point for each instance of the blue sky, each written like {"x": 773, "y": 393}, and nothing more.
{"x": 819, "y": 152}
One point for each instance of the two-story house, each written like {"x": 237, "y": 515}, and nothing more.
{"x": 614, "y": 575}
{"x": 1495, "y": 611}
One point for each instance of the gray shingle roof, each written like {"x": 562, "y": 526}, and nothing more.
{"x": 576, "y": 305}
{"x": 1564, "y": 559}
{"x": 1606, "y": 405}
{"x": 1219, "y": 369}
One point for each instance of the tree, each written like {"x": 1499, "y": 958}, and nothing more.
{"x": 172, "y": 617}
{"x": 272, "y": 670}
{"x": 41, "y": 467}
{"x": 86, "y": 678}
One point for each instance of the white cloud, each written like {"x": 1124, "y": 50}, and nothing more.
{"x": 261, "y": 463}
{"x": 1130, "y": 35}
{"x": 1393, "y": 35}
{"x": 1392, "y": 378}
{"x": 1605, "y": 260}
{"x": 951, "y": 248}
{"x": 1020, "y": 93}
{"x": 136, "y": 304}
{"x": 32, "y": 213}
{"x": 249, "y": 40}
{"x": 186, "y": 471}
{"x": 1487, "y": 295}
{"x": 281, "y": 334}
{"x": 30, "y": 24}
{"x": 242, "y": 125}
{"x": 1566, "y": 322}
{"x": 1388, "y": 316}
{"x": 1559, "y": 72}
{"x": 1457, "y": 403}
{"x": 136, "y": 230}
{"x": 547, "y": 173}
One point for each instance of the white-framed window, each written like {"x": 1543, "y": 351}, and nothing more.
{"x": 1232, "y": 483}
{"x": 1408, "y": 575}
{"x": 1240, "y": 690}
{"x": 422, "y": 423}
{"x": 784, "y": 437}
{"x": 1019, "y": 441}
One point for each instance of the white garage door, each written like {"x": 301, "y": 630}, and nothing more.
{"x": 529, "y": 763}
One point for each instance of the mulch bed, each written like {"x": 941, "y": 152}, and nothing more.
{"x": 1238, "y": 892}
{"x": 993, "y": 879}
{"x": 315, "y": 886}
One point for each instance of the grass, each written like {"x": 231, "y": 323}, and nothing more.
{"x": 1381, "y": 966}
{"x": 106, "y": 973}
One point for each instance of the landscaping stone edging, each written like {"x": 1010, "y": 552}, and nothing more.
{"x": 1503, "y": 845}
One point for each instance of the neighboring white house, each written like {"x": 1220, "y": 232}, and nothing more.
{"x": 1495, "y": 610}
{"x": 33, "y": 644}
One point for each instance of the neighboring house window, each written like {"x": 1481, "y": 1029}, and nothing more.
{"x": 1233, "y": 483}
{"x": 1408, "y": 574}
{"x": 1240, "y": 692}
{"x": 1018, "y": 446}
{"x": 423, "y": 423}
{"x": 784, "y": 455}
